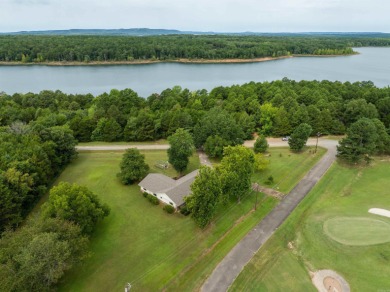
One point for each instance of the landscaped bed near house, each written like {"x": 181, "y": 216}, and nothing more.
{"x": 140, "y": 243}
{"x": 330, "y": 230}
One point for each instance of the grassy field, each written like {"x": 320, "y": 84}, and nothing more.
{"x": 287, "y": 168}
{"x": 300, "y": 245}
{"x": 99, "y": 143}
{"x": 141, "y": 244}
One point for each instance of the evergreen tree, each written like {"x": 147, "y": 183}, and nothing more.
{"x": 133, "y": 167}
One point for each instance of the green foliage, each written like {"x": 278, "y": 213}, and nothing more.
{"x": 169, "y": 209}
{"x": 184, "y": 210}
{"x": 38, "y": 254}
{"x": 360, "y": 142}
{"x": 235, "y": 172}
{"x": 299, "y": 137}
{"x": 107, "y": 130}
{"x": 267, "y": 117}
{"x": 76, "y": 204}
{"x": 217, "y": 122}
{"x": 261, "y": 162}
{"x": 270, "y": 180}
{"x": 86, "y": 49}
{"x": 214, "y": 146}
{"x": 206, "y": 190}
{"x": 181, "y": 148}
{"x": 153, "y": 199}
{"x": 29, "y": 159}
{"x": 140, "y": 128}
{"x": 133, "y": 167}
{"x": 261, "y": 145}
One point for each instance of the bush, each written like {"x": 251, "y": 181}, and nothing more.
{"x": 169, "y": 209}
{"x": 184, "y": 210}
{"x": 145, "y": 194}
{"x": 270, "y": 180}
{"x": 153, "y": 199}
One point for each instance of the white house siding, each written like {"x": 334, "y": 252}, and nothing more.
{"x": 161, "y": 196}
{"x": 164, "y": 198}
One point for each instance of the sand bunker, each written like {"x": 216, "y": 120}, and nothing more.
{"x": 381, "y": 212}
{"x": 329, "y": 281}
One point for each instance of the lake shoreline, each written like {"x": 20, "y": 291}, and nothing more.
{"x": 181, "y": 61}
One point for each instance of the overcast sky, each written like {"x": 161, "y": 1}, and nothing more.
{"x": 198, "y": 15}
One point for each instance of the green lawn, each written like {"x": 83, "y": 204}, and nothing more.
{"x": 287, "y": 168}
{"x": 99, "y": 143}
{"x": 300, "y": 245}
{"x": 141, "y": 244}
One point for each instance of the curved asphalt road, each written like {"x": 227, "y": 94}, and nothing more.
{"x": 233, "y": 263}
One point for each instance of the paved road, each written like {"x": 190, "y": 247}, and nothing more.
{"x": 273, "y": 142}
{"x": 231, "y": 266}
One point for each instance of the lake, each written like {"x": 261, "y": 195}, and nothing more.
{"x": 371, "y": 64}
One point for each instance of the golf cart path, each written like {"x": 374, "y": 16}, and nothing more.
{"x": 233, "y": 263}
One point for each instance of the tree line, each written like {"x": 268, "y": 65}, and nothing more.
{"x": 34, "y": 48}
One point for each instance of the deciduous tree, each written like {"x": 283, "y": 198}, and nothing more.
{"x": 76, "y": 204}
{"x": 206, "y": 191}
{"x": 180, "y": 150}
{"x": 235, "y": 171}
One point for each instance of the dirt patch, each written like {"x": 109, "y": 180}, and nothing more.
{"x": 329, "y": 281}
{"x": 331, "y": 284}
{"x": 268, "y": 191}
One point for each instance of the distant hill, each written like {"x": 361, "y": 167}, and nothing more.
{"x": 150, "y": 31}
{"x": 106, "y": 32}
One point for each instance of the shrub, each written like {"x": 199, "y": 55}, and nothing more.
{"x": 145, "y": 194}
{"x": 153, "y": 199}
{"x": 184, "y": 210}
{"x": 169, "y": 209}
{"x": 270, "y": 180}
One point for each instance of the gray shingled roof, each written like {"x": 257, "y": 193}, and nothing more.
{"x": 175, "y": 189}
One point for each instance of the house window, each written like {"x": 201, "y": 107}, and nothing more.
{"x": 155, "y": 195}
{"x": 171, "y": 203}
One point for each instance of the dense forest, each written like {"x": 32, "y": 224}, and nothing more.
{"x": 38, "y": 49}
{"x": 38, "y": 132}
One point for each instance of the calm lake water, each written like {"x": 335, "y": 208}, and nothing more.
{"x": 372, "y": 64}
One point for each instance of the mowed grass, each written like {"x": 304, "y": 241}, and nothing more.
{"x": 301, "y": 242}
{"x": 141, "y": 244}
{"x": 357, "y": 230}
{"x": 287, "y": 168}
{"x": 100, "y": 143}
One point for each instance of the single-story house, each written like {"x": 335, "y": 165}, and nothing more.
{"x": 168, "y": 190}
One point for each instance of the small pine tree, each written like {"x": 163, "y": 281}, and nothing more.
{"x": 261, "y": 145}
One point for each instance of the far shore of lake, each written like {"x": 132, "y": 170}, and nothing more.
{"x": 139, "y": 62}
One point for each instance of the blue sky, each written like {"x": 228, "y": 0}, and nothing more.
{"x": 200, "y": 15}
